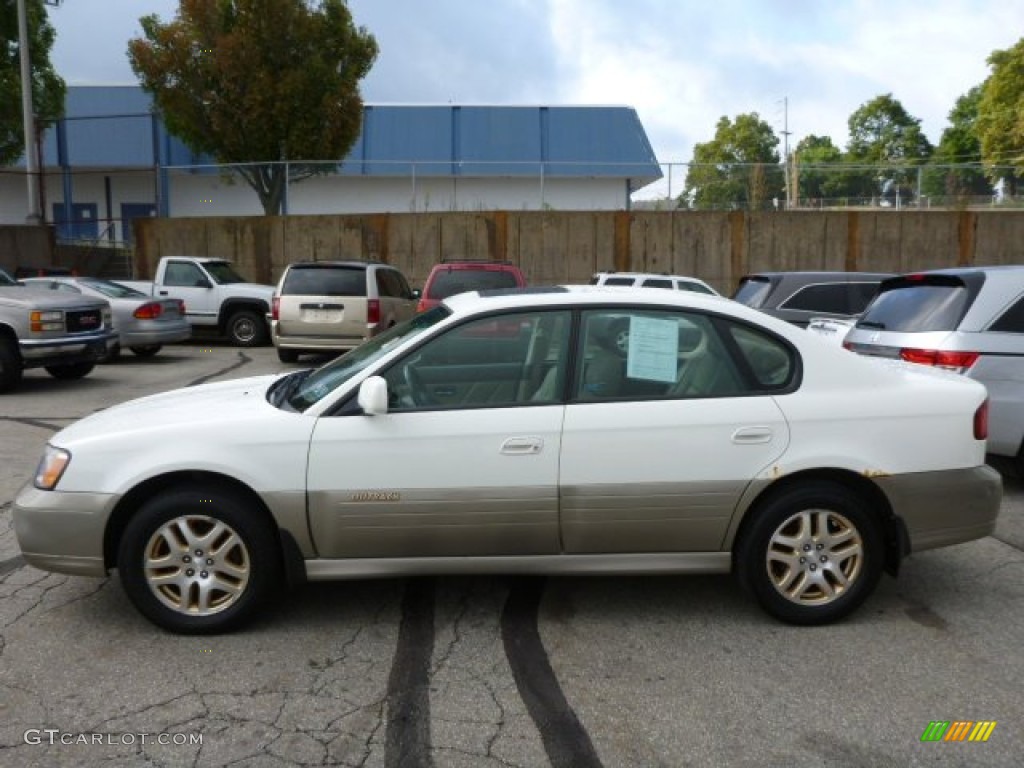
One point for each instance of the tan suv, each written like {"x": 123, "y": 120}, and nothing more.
{"x": 334, "y": 306}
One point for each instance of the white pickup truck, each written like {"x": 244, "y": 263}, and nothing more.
{"x": 216, "y": 297}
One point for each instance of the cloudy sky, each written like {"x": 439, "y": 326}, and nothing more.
{"x": 681, "y": 63}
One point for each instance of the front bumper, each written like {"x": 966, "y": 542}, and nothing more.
{"x": 87, "y": 347}
{"x": 945, "y": 507}
{"x": 62, "y": 532}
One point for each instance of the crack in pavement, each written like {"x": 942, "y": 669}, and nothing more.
{"x": 30, "y": 421}
{"x": 565, "y": 740}
{"x": 243, "y": 359}
{"x": 11, "y": 564}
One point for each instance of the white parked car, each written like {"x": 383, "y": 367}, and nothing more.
{"x": 510, "y": 432}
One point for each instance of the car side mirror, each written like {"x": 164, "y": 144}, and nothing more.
{"x": 373, "y": 396}
{"x": 417, "y": 294}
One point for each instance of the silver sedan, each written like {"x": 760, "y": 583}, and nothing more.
{"x": 144, "y": 323}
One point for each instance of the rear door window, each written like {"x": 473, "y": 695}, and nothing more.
{"x": 918, "y": 304}
{"x": 823, "y": 297}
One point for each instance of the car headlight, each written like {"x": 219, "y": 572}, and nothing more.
{"x": 51, "y": 467}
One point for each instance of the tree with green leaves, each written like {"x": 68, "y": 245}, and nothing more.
{"x": 885, "y": 140}
{"x": 1000, "y": 123}
{"x": 270, "y": 85}
{"x": 738, "y": 168}
{"x": 954, "y": 170}
{"x": 47, "y": 87}
{"x": 817, "y": 162}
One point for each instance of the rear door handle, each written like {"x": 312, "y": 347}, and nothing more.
{"x": 752, "y": 435}
{"x": 522, "y": 446}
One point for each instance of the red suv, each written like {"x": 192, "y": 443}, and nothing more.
{"x": 451, "y": 277}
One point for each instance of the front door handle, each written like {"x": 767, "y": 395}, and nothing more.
{"x": 522, "y": 446}
{"x": 752, "y": 435}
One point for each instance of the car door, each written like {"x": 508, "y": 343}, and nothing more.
{"x": 396, "y": 299}
{"x": 184, "y": 280}
{"x": 465, "y": 462}
{"x": 661, "y": 439}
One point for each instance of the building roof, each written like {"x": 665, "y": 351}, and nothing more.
{"x": 114, "y": 127}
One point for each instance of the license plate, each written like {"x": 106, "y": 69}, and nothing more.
{"x": 321, "y": 315}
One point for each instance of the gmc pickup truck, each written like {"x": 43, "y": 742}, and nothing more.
{"x": 63, "y": 333}
{"x": 216, "y": 297}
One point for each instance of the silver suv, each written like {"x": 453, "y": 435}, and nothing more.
{"x": 331, "y": 306}
{"x": 968, "y": 320}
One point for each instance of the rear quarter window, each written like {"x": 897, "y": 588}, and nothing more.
{"x": 1012, "y": 320}
{"x": 772, "y": 363}
{"x": 753, "y": 291}
{"x": 823, "y": 297}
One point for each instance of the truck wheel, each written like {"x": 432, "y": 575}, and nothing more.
{"x": 70, "y": 372}
{"x": 147, "y": 351}
{"x": 10, "y": 365}
{"x": 247, "y": 329}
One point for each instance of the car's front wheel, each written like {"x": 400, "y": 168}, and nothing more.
{"x": 10, "y": 364}
{"x": 812, "y": 553}
{"x": 146, "y": 351}
{"x": 198, "y": 560}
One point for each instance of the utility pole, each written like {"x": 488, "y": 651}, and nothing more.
{"x": 28, "y": 118}
{"x": 785, "y": 135}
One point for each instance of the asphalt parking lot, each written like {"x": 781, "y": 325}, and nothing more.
{"x": 652, "y": 671}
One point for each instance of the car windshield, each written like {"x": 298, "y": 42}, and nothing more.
{"x": 223, "y": 273}
{"x": 325, "y": 380}
{"x": 113, "y": 290}
{"x": 931, "y": 305}
{"x": 452, "y": 282}
{"x": 6, "y": 279}
{"x": 753, "y": 291}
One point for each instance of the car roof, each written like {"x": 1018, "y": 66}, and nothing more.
{"x": 339, "y": 263}
{"x": 821, "y": 275}
{"x": 537, "y": 297}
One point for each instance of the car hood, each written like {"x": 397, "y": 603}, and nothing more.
{"x": 43, "y": 298}
{"x": 176, "y": 410}
{"x": 252, "y": 290}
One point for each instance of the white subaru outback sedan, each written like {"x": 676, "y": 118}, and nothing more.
{"x": 513, "y": 432}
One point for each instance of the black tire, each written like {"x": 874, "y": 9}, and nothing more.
{"x": 251, "y": 562}
{"x": 287, "y": 355}
{"x": 802, "y": 545}
{"x": 146, "y": 351}
{"x": 246, "y": 328}
{"x": 112, "y": 355}
{"x": 10, "y": 364}
{"x": 70, "y": 372}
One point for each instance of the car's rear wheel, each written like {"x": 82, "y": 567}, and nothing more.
{"x": 197, "y": 560}
{"x": 246, "y": 329}
{"x": 287, "y": 355}
{"x": 70, "y": 372}
{"x": 146, "y": 351}
{"x": 812, "y": 553}
{"x": 10, "y": 364}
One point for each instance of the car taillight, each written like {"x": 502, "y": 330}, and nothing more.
{"x": 150, "y": 311}
{"x": 373, "y": 311}
{"x": 275, "y": 308}
{"x": 981, "y": 421}
{"x": 953, "y": 361}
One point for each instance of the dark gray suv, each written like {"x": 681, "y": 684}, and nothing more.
{"x": 797, "y": 297}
